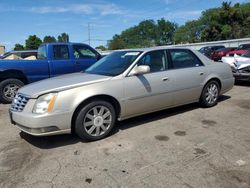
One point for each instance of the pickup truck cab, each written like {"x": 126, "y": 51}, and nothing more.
{"x": 53, "y": 59}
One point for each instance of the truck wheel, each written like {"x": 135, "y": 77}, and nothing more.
{"x": 8, "y": 89}
{"x": 95, "y": 120}
{"x": 210, "y": 94}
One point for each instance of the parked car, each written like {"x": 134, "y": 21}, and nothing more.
{"x": 240, "y": 65}
{"x": 53, "y": 59}
{"x": 218, "y": 54}
{"x": 242, "y": 49}
{"x": 22, "y": 54}
{"x": 208, "y": 50}
{"x": 124, "y": 84}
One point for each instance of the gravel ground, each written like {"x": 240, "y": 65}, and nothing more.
{"x": 186, "y": 146}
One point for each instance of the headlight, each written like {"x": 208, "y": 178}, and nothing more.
{"x": 45, "y": 103}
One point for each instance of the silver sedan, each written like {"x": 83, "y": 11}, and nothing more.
{"x": 124, "y": 84}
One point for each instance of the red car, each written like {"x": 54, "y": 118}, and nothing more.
{"x": 242, "y": 49}
{"x": 218, "y": 54}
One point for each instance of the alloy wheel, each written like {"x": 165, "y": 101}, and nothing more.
{"x": 212, "y": 93}
{"x": 97, "y": 120}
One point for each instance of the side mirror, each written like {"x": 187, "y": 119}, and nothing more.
{"x": 141, "y": 69}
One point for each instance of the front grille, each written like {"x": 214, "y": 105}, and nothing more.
{"x": 19, "y": 103}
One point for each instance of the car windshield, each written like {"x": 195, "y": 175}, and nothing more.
{"x": 114, "y": 64}
{"x": 244, "y": 47}
{"x": 246, "y": 54}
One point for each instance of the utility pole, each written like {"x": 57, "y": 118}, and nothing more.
{"x": 89, "y": 32}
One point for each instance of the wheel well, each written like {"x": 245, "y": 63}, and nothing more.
{"x": 215, "y": 79}
{"x": 106, "y": 98}
{"x": 15, "y": 74}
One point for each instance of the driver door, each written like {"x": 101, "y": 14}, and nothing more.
{"x": 84, "y": 57}
{"x": 151, "y": 91}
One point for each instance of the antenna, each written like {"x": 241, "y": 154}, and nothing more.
{"x": 89, "y": 32}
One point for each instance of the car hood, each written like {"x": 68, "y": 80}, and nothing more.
{"x": 242, "y": 64}
{"x": 61, "y": 83}
{"x": 237, "y": 62}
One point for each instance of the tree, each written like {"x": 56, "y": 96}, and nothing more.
{"x": 116, "y": 43}
{"x": 189, "y": 33}
{"x": 165, "y": 32}
{"x": 18, "y": 47}
{"x": 101, "y": 47}
{"x": 49, "y": 39}
{"x": 64, "y": 37}
{"x": 146, "y": 33}
{"x": 33, "y": 42}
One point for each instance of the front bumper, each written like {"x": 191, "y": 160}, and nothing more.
{"x": 42, "y": 125}
{"x": 241, "y": 76}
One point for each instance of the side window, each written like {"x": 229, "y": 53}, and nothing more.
{"x": 83, "y": 52}
{"x": 41, "y": 52}
{"x": 184, "y": 59}
{"x": 61, "y": 52}
{"x": 155, "y": 60}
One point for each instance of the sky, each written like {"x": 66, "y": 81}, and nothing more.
{"x": 21, "y": 18}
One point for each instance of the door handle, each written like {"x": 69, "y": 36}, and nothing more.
{"x": 77, "y": 63}
{"x": 201, "y": 73}
{"x": 165, "y": 79}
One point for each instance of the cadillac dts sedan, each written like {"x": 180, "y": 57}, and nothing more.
{"x": 124, "y": 84}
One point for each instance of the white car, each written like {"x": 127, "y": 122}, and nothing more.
{"x": 240, "y": 65}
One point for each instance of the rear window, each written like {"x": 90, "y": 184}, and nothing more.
{"x": 184, "y": 59}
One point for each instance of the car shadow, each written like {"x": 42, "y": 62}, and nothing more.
{"x": 242, "y": 83}
{"x": 49, "y": 142}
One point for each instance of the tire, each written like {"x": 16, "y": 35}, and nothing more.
{"x": 210, "y": 94}
{"x": 8, "y": 89}
{"x": 95, "y": 120}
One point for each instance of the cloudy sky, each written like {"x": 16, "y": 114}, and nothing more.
{"x": 21, "y": 18}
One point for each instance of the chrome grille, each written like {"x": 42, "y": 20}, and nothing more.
{"x": 19, "y": 103}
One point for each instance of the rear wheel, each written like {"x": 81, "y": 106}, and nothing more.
{"x": 95, "y": 120}
{"x": 210, "y": 94}
{"x": 8, "y": 89}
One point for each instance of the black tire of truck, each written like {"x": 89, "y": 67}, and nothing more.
{"x": 8, "y": 89}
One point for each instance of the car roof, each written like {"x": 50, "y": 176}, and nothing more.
{"x": 65, "y": 43}
{"x": 154, "y": 48}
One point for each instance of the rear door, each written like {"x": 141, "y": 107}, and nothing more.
{"x": 187, "y": 74}
{"x": 84, "y": 56}
{"x": 61, "y": 61}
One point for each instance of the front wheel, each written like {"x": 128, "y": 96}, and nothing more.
{"x": 210, "y": 94}
{"x": 95, "y": 120}
{"x": 8, "y": 89}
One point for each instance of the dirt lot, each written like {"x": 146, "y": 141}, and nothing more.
{"x": 187, "y": 146}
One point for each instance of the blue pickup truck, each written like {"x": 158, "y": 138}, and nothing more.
{"x": 53, "y": 59}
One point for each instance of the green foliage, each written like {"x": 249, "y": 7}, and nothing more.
{"x": 101, "y": 47}
{"x": 64, "y": 37}
{"x": 18, "y": 47}
{"x": 146, "y": 33}
{"x": 189, "y": 33}
{"x": 223, "y": 23}
{"x": 33, "y": 42}
{"x": 227, "y": 22}
{"x": 116, "y": 43}
{"x": 49, "y": 39}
